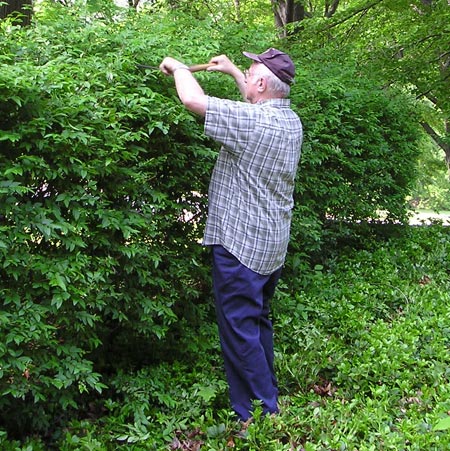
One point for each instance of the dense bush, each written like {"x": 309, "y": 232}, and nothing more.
{"x": 103, "y": 196}
{"x": 103, "y": 172}
{"x": 360, "y": 151}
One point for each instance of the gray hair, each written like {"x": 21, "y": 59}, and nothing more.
{"x": 274, "y": 84}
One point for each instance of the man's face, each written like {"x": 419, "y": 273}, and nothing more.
{"x": 252, "y": 81}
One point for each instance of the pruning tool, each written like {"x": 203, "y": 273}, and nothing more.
{"x": 194, "y": 68}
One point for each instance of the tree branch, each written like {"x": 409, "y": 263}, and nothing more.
{"x": 442, "y": 143}
{"x": 363, "y": 9}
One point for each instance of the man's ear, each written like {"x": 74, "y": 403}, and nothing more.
{"x": 261, "y": 85}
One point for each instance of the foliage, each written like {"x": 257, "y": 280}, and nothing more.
{"x": 405, "y": 42}
{"x": 362, "y": 363}
{"x": 101, "y": 177}
{"x": 360, "y": 148}
{"x": 103, "y": 194}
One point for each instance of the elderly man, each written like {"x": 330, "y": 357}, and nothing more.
{"x": 250, "y": 204}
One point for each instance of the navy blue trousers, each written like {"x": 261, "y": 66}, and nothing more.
{"x": 242, "y": 306}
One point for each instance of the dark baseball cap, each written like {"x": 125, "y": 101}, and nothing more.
{"x": 279, "y": 63}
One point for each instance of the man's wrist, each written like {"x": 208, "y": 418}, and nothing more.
{"x": 179, "y": 66}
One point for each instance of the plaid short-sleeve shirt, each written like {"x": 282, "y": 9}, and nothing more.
{"x": 250, "y": 196}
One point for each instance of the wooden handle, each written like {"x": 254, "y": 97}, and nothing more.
{"x": 199, "y": 67}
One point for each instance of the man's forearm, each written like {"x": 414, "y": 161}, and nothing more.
{"x": 223, "y": 64}
{"x": 239, "y": 78}
{"x": 189, "y": 91}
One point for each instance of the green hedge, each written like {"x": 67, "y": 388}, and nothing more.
{"x": 103, "y": 173}
{"x": 359, "y": 158}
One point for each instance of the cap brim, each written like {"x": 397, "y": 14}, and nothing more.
{"x": 252, "y": 56}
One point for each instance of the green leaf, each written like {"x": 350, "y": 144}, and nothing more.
{"x": 8, "y": 136}
{"x": 442, "y": 425}
{"x": 207, "y": 393}
{"x": 16, "y": 170}
{"x": 59, "y": 281}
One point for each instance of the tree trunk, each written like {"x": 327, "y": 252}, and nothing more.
{"x": 133, "y": 3}
{"x": 288, "y": 12}
{"x": 20, "y": 9}
{"x": 330, "y": 8}
{"x": 294, "y": 11}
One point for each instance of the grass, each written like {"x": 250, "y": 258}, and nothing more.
{"x": 362, "y": 358}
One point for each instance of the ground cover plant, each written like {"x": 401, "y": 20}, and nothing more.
{"x": 362, "y": 357}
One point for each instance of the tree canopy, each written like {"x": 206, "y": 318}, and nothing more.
{"x": 406, "y": 42}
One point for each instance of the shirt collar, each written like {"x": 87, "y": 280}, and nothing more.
{"x": 279, "y": 103}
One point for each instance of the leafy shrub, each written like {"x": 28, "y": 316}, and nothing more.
{"x": 101, "y": 210}
{"x": 359, "y": 157}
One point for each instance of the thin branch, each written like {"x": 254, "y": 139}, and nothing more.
{"x": 363, "y": 9}
{"x": 353, "y": 27}
{"x": 426, "y": 93}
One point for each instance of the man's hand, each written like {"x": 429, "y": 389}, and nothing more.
{"x": 223, "y": 64}
{"x": 169, "y": 65}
